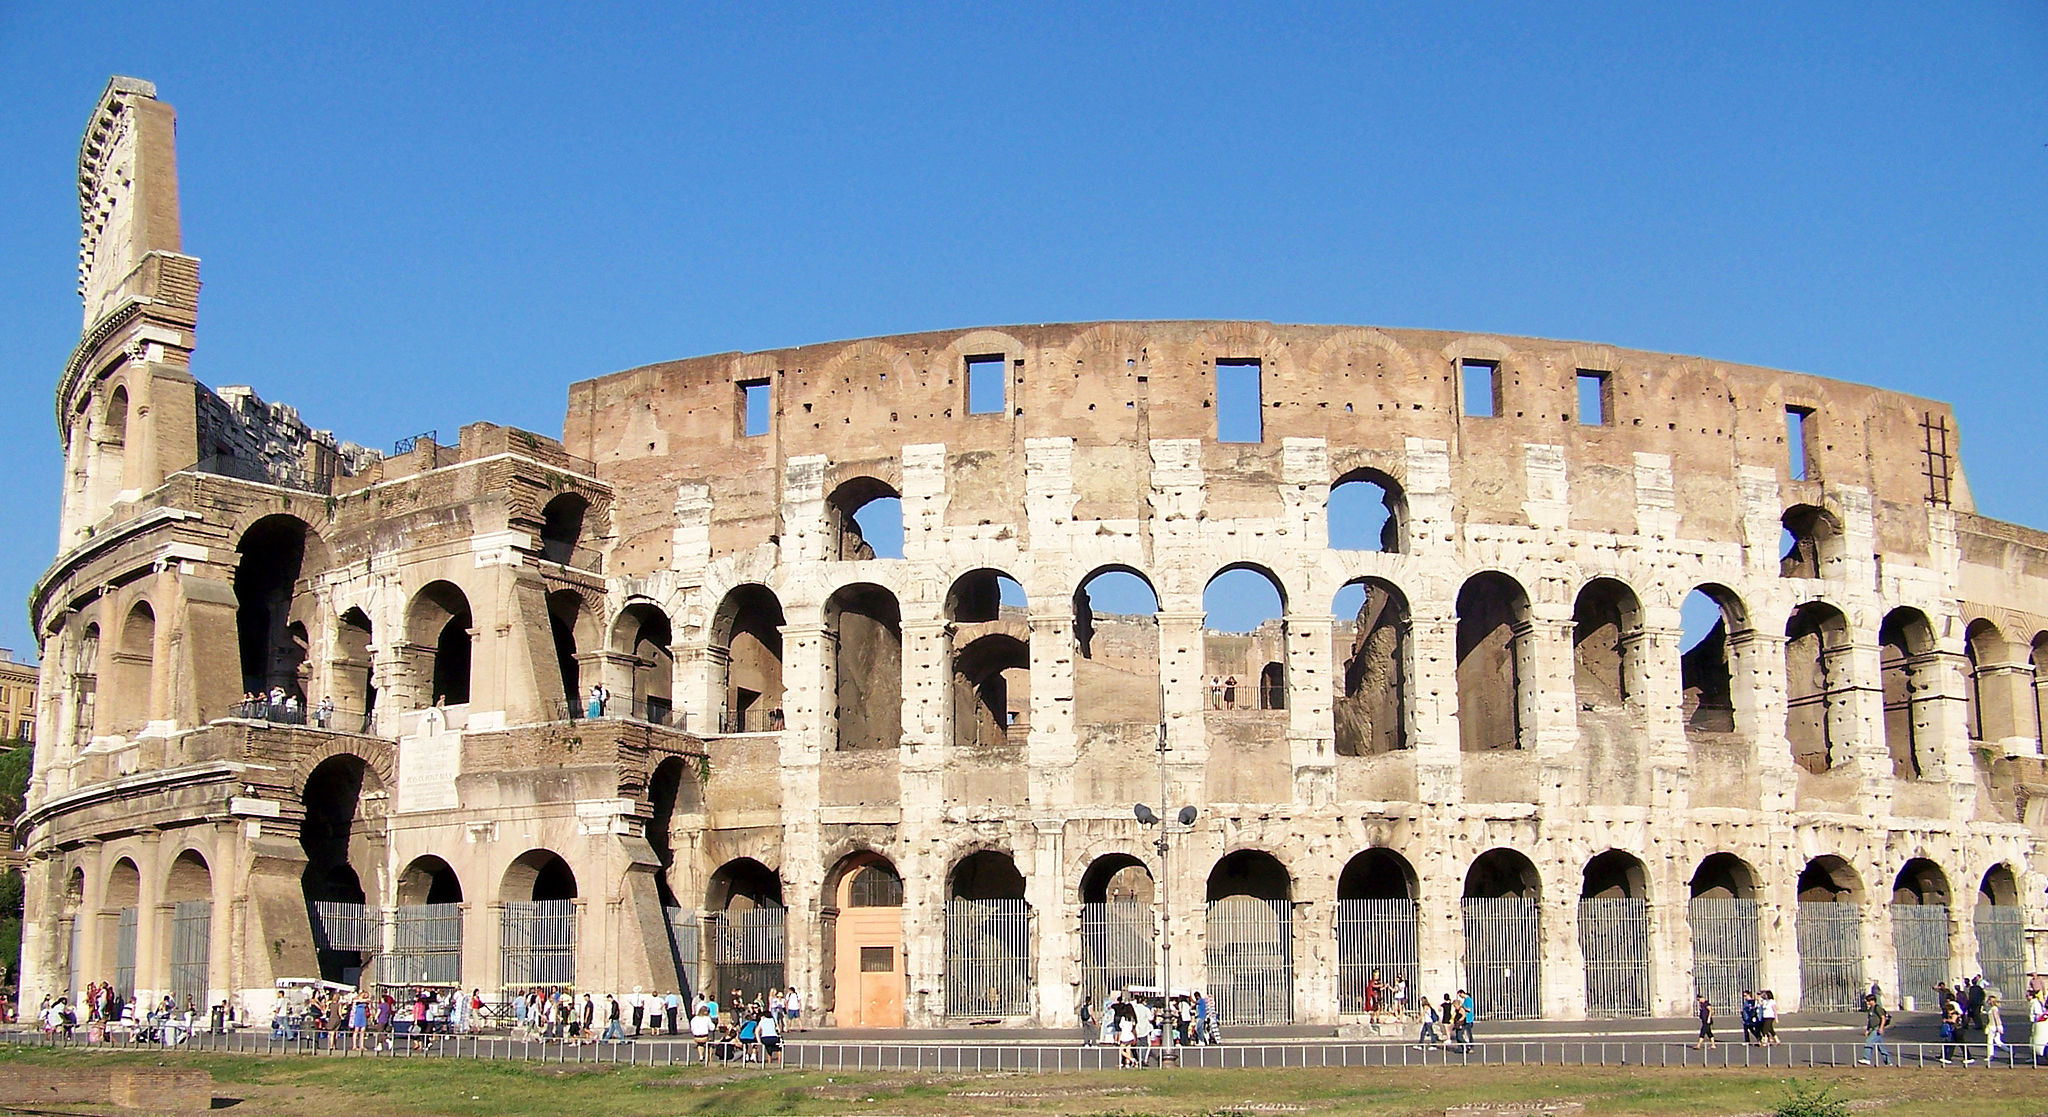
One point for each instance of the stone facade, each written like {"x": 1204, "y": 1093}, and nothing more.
{"x": 1471, "y": 747}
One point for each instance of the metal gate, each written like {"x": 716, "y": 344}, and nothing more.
{"x": 1251, "y": 960}
{"x": 1118, "y": 948}
{"x": 539, "y": 944}
{"x": 1375, "y": 935}
{"x": 748, "y": 948}
{"x": 2001, "y": 949}
{"x": 988, "y": 957}
{"x": 685, "y": 943}
{"x": 191, "y": 948}
{"x": 1503, "y": 957}
{"x": 426, "y": 945}
{"x": 1727, "y": 950}
{"x": 1614, "y": 940}
{"x": 1830, "y": 957}
{"x": 1920, "y": 939}
{"x": 347, "y": 927}
{"x": 124, "y": 955}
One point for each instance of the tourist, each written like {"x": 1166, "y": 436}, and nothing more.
{"x": 1767, "y": 1018}
{"x": 1126, "y": 1018}
{"x": 1875, "y": 1020}
{"x": 1373, "y": 991}
{"x": 2037, "y": 1031}
{"x": 1951, "y": 1032}
{"x": 769, "y": 1033}
{"x": 1704, "y": 1009}
{"x": 794, "y": 1005}
{"x": 1086, "y": 1011}
{"x": 700, "y": 1031}
{"x": 777, "y": 1008}
{"x": 1468, "y": 1014}
{"x": 614, "y": 1032}
{"x": 1401, "y": 1000}
{"x": 1994, "y": 1029}
{"x": 323, "y": 715}
{"x": 1215, "y": 692}
{"x": 1230, "y": 693}
{"x": 1430, "y": 1036}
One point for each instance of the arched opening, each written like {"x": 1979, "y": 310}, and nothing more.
{"x": 1376, "y": 931}
{"x": 354, "y": 672}
{"x": 990, "y": 651}
{"x": 71, "y": 919}
{"x": 538, "y": 927}
{"x": 346, "y": 932}
{"x": 1504, "y": 935}
{"x": 135, "y": 670}
{"x": 107, "y": 468}
{"x": 1493, "y": 616}
{"x": 568, "y": 621}
{"x": 1920, "y": 927}
{"x": 1367, "y": 512}
{"x": 1116, "y": 635}
{"x": 1251, "y": 939}
{"x": 1830, "y": 936}
{"x": 1806, "y": 541}
{"x": 1908, "y": 659}
{"x": 85, "y": 683}
{"x": 1716, "y": 632}
{"x": 988, "y": 938}
{"x": 2001, "y": 930}
{"x": 1369, "y": 638}
{"x": 561, "y": 528}
{"x": 749, "y": 945}
{"x": 865, "y": 629}
{"x": 1816, "y": 639}
{"x": 114, "y": 424}
{"x": 189, "y": 892}
{"x": 746, "y": 649}
{"x": 643, "y": 633}
{"x": 121, "y": 905}
{"x": 426, "y": 945}
{"x": 863, "y": 933}
{"x": 1244, "y": 633}
{"x": 1119, "y": 931}
{"x": 1614, "y": 934}
{"x": 439, "y": 622}
{"x": 274, "y": 558}
{"x": 1727, "y": 946}
{"x": 1606, "y": 621}
{"x": 864, "y": 519}
{"x": 1999, "y": 680}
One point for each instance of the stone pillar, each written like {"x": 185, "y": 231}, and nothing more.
{"x": 1433, "y": 702}
{"x": 1550, "y": 723}
{"x": 1563, "y": 995}
{"x": 1183, "y": 697}
{"x": 1778, "y": 933}
{"x": 1310, "y": 692}
{"x": 483, "y": 946}
{"x": 1656, "y": 687}
{"x": 1856, "y": 718}
{"x": 1055, "y": 923}
{"x": 1758, "y": 692}
{"x": 153, "y": 921}
{"x": 1050, "y": 751}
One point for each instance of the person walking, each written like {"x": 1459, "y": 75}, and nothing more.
{"x": 1875, "y": 1021}
{"x": 614, "y": 1032}
{"x": 1704, "y": 1009}
{"x": 793, "y": 1005}
{"x": 1952, "y": 1046}
{"x": 1994, "y": 1029}
{"x": 1086, "y": 1011}
{"x": 2037, "y": 1030}
{"x": 1752, "y": 1019}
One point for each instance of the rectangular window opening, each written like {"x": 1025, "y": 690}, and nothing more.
{"x": 754, "y": 407}
{"x": 1596, "y": 404}
{"x": 1239, "y": 405}
{"x": 1798, "y": 433}
{"x": 877, "y": 959}
{"x": 985, "y": 384}
{"x": 1481, "y": 383}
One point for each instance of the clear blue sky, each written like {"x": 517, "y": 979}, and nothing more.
{"x": 411, "y": 216}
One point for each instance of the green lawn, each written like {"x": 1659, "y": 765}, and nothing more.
{"x": 297, "y": 1086}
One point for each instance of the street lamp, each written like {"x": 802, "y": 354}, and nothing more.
{"x": 1147, "y": 817}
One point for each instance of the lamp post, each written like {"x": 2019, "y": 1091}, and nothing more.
{"x": 1186, "y": 817}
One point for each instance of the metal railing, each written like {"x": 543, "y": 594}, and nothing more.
{"x": 1251, "y": 960}
{"x": 1118, "y": 948}
{"x": 1375, "y": 935}
{"x": 1503, "y": 957}
{"x": 539, "y": 938}
{"x": 753, "y": 720}
{"x": 652, "y": 711}
{"x": 1920, "y": 940}
{"x": 988, "y": 957}
{"x": 1727, "y": 950}
{"x": 2001, "y": 946}
{"x": 1830, "y": 956}
{"x": 426, "y": 945}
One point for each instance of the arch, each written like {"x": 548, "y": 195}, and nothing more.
{"x": 672, "y": 789}
{"x": 991, "y": 691}
{"x": 2000, "y": 887}
{"x": 1367, "y": 511}
{"x": 1920, "y": 882}
{"x": 1252, "y": 873}
{"x": 864, "y": 520}
{"x": 1378, "y": 873}
{"x": 1808, "y": 539}
{"x": 2001, "y": 928}
{"x": 561, "y": 527}
{"x": 439, "y": 620}
{"x": 1723, "y": 876}
{"x": 332, "y": 801}
{"x": 121, "y": 900}
{"x": 1921, "y": 935}
{"x": 275, "y": 554}
{"x": 1116, "y": 636}
{"x": 865, "y": 626}
{"x": 1493, "y": 615}
{"x": 866, "y": 983}
{"x": 1250, "y": 938}
{"x": 746, "y": 648}
{"x": 1119, "y": 931}
{"x": 749, "y": 929}
{"x": 570, "y": 624}
{"x": 988, "y": 937}
{"x": 1503, "y": 874}
{"x": 743, "y": 884}
{"x": 1727, "y": 940}
{"x": 1830, "y": 930}
{"x": 135, "y": 700}
{"x": 1117, "y": 878}
{"x": 1614, "y": 875}
{"x": 1614, "y": 934}
{"x": 113, "y": 432}
{"x": 1906, "y": 655}
{"x": 1829, "y": 879}
{"x": 188, "y": 939}
{"x": 428, "y": 879}
{"x": 1377, "y": 939}
{"x": 538, "y": 876}
{"x": 1710, "y": 665}
{"x": 1244, "y": 633}
{"x": 1503, "y": 929}
{"x": 354, "y": 674}
{"x": 1815, "y": 635}
{"x": 1995, "y": 696}
{"x": 644, "y": 634}
{"x": 1606, "y": 651}
{"x": 985, "y": 595}
{"x": 1371, "y": 645}
{"x": 868, "y": 880}
{"x": 987, "y": 874}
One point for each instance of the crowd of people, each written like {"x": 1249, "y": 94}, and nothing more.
{"x": 108, "y": 1017}
{"x": 1971, "y": 1010}
{"x": 378, "y": 1021}
{"x": 741, "y": 1029}
{"x": 279, "y": 706}
{"x": 1134, "y": 1025}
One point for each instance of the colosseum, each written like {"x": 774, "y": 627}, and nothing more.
{"x": 843, "y": 666}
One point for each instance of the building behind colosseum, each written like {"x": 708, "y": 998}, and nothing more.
{"x": 1471, "y": 748}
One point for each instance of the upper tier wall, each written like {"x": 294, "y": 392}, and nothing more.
{"x": 1112, "y": 387}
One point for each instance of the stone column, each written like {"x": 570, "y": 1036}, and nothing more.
{"x": 1757, "y": 689}
{"x": 1183, "y": 698}
{"x": 1055, "y": 920}
{"x": 1433, "y": 702}
{"x": 1550, "y": 724}
{"x": 153, "y": 921}
{"x": 1657, "y": 688}
{"x": 1310, "y": 693}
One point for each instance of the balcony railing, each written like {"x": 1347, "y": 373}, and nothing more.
{"x": 292, "y": 712}
{"x": 753, "y": 720}
{"x": 652, "y": 711}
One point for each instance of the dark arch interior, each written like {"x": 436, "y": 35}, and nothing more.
{"x": 748, "y": 627}
{"x": 1829, "y": 880}
{"x": 744, "y": 884}
{"x": 665, "y": 796}
{"x": 565, "y": 608}
{"x": 1920, "y": 882}
{"x": 272, "y": 558}
{"x": 987, "y": 875}
{"x": 1999, "y": 887}
{"x": 562, "y": 527}
{"x": 874, "y": 883}
{"x": 1249, "y": 872}
{"x": 1377, "y": 874}
{"x": 1116, "y": 877}
{"x": 1502, "y": 873}
{"x": 1724, "y": 876}
{"x": 429, "y": 880}
{"x": 981, "y": 595}
{"x": 539, "y": 875}
{"x": 1614, "y": 875}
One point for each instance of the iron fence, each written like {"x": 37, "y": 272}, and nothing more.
{"x": 191, "y": 949}
{"x": 124, "y": 954}
{"x": 1119, "y": 948}
{"x": 1727, "y": 950}
{"x": 2001, "y": 948}
{"x": 1375, "y": 936}
{"x": 1614, "y": 940}
{"x": 538, "y": 944}
{"x": 426, "y": 945}
{"x": 1503, "y": 957}
{"x": 1920, "y": 940}
{"x": 988, "y": 957}
{"x": 1251, "y": 960}
{"x": 749, "y": 949}
{"x": 1830, "y": 957}
{"x": 685, "y": 943}
{"x": 338, "y": 926}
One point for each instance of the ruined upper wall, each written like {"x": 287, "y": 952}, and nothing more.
{"x": 1113, "y": 387}
{"x": 127, "y": 191}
